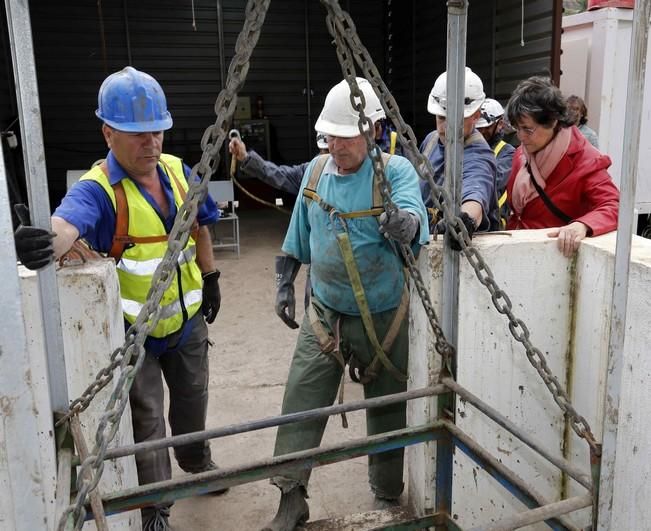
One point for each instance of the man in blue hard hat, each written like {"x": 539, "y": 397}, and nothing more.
{"x": 125, "y": 207}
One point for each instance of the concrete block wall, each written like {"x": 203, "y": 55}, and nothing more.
{"x": 92, "y": 328}
{"x": 566, "y": 306}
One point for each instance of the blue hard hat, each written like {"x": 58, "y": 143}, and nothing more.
{"x": 133, "y": 102}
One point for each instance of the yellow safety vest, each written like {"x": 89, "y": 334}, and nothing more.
{"x": 137, "y": 263}
{"x": 502, "y": 199}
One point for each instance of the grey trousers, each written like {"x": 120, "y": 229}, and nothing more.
{"x": 186, "y": 373}
{"x": 313, "y": 380}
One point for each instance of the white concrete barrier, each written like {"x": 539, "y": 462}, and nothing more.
{"x": 566, "y": 305}
{"x": 92, "y": 328}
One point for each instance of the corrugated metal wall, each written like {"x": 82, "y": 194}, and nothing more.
{"x": 493, "y": 48}
{"x": 78, "y": 42}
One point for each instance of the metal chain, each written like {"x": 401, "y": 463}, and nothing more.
{"x": 350, "y": 47}
{"x": 131, "y": 355}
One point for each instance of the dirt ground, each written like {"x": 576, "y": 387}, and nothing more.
{"x": 249, "y": 364}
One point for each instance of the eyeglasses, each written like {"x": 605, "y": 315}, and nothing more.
{"x": 525, "y": 130}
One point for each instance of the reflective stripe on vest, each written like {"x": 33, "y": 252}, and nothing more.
{"x": 132, "y": 308}
{"x": 498, "y": 147}
{"x": 136, "y": 268}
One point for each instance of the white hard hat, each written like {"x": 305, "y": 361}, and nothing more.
{"x": 321, "y": 141}
{"x": 339, "y": 118}
{"x": 473, "y": 97}
{"x": 491, "y": 110}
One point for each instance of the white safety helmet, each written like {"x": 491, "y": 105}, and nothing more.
{"x": 491, "y": 111}
{"x": 321, "y": 141}
{"x": 473, "y": 98}
{"x": 339, "y": 118}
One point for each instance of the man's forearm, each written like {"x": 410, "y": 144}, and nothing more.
{"x": 474, "y": 210}
{"x": 66, "y": 235}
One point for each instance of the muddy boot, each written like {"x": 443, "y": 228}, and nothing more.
{"x": 293, "y": 511}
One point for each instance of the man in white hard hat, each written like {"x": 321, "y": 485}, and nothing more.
{"x": 359, "y": 294}
{"x": 491, "y": 126}
{"x": 478, "y": 201}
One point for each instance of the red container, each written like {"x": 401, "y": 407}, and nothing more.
{"x": 596, "y": 4}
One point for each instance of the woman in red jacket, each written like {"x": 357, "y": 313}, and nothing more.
{"x": 558, "y": 178}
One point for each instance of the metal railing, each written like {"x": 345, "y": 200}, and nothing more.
{"x": 440, "y": 430}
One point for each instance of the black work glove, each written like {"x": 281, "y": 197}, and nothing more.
{"x": 400, "y": 226}
{"x": 442, "y": 228}
{"x": 286, "y": 271}
{"x": 33, "y": 244}
{"x": 212, "y": 298}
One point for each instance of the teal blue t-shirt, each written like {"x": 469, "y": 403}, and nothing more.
{"x": 311, "y": 236}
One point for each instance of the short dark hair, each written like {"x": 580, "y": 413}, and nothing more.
{"x": 582, "y": 108}
{"x": 539, "y": 98}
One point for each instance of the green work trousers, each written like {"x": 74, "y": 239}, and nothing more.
{"x": 313, "y": 382}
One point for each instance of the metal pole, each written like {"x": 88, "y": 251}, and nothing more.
{"x": 632, "y": 125}
{"x": 21, "y": 455}
{"x": 195, "y": 484}
{"x": 456, "y": 63}
{"x": 456, "y": 75}
{"x": 246, "y": 427}
{"x": 20, "y": 40}
{"x": 538, "y": 515}
{"x": 573, "y": 471}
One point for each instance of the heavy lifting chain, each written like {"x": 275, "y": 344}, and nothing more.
{"x": 350, "y": 47}
{"x": 131, "y": 355}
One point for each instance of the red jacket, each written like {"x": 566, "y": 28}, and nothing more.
{"x": 580, "y": 186}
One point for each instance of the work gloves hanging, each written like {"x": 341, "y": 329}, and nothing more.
{"x": 34, "y": 246}
{"x": 212, "y": 298}
{"x": 286, "y": 271}
{"x": 401, "y": 226}
{"x": 441, "y": 228}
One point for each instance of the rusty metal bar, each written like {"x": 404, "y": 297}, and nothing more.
{"x": 506, "y": 477}
{"x": 573, "y": 471}
{"x": 270, "y": 422}
{"x": 95, "y": 496}
{"x": 64, "y": 477}
{"x": 197, "y": 484}
{"x": 538, "y": 515}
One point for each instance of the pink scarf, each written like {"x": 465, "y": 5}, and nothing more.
{"x": 542, "y": 164}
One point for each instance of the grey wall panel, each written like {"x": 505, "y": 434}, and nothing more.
{"x": 515, "y": 62}
{"x": 73, "y": 56}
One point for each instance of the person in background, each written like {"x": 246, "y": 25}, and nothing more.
{"x": 491, "y": 126}
{"x": 359, "y": 295}
{"x": 578, "y": 114}
{"x": 559, "y": 180}
{"x": 478, "y": 198}
{"x": 141, "y": 188}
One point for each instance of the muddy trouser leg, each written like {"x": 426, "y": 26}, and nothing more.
{"x": 147, "y": 414}
{"x": 385, "y": 470}
{"x": 313, "y": 381}
{"x": 186, "y": 374}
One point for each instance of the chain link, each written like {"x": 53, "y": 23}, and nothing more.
{"x": 349, "y": 49}
{"x": 130, "y": 356}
